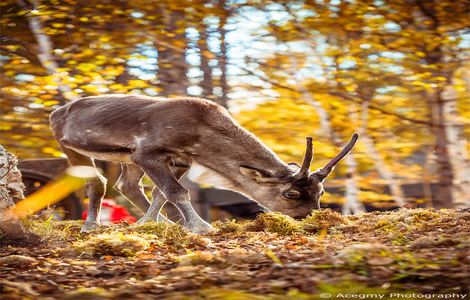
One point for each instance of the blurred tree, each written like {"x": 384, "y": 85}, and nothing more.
{"x": 171, "y": 44}
{"x": 224, "y": 14}
{"x": 207, "y": 83}
{"x": 396, "y": 71}
{"x": 372, "y": 55}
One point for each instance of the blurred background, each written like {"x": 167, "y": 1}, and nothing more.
{"x": 397, "y": 72}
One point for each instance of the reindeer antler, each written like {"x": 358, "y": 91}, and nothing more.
{"x": 325, "y": 171}
{"x": 304, "y": 169}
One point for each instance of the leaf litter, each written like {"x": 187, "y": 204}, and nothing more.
{"x": 272, "y": 257}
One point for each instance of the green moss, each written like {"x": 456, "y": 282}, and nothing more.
{"x": 423, "y": 215}
{"x": 229, "y": 226}
{"x": 116, "y": 244}
{"x": 170, "y": 232}
{"x": 198, "y": 258}
{"x": 52, "y": 230}
{"x": 276, "y": 223}
{"x": 400, "y": 225}
{"x": 92, "y": 293}
{"x": 396, "y": 231}
{"x": 321, "y": 220}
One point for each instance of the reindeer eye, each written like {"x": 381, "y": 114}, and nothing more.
{"x": 292, "y": 194}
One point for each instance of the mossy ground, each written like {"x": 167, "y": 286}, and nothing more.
{"x": 273, "y": 257}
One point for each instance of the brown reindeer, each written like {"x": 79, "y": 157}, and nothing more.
{"x": 164, "y": 137}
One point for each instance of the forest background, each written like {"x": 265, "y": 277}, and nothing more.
{"x": 397, "y": 72}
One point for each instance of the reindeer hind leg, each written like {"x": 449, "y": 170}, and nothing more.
{"x": 154, "y": 212}
{"x": 128, "y": 185}
{"x": 95, "y": 188}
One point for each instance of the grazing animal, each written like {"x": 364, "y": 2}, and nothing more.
{"x": 164, "y": 137}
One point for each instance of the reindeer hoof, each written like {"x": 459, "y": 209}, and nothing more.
{"x": 89, "y": 227}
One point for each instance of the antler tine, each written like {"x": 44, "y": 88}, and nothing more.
{"x": 304, "y": 169}
{"x": 329, "y": 166}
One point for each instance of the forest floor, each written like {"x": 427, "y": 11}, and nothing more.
{"x": 411, "y": 253}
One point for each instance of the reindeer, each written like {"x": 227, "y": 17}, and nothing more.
{"x": 163, "y": 138}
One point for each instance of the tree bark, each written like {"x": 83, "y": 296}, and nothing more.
{"x": 352, "y": 206}
{"x": 11, "y": 190}
{"x": 171, "y": 45}
{"x": 443, "y": 198}
{"x": 379, "y": 163}
{"x": 204, "y": 52}
{"x": 223, "y": 55}
{"x": 456, "y": 149}
{"x": 442, "y": 115}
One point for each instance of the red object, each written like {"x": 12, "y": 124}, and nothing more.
{"x": 112, "y": 213}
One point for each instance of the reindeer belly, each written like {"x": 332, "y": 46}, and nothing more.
{"x": 113, "y": 156}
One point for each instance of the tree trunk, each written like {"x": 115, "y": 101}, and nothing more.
{"x": 379, "y": 163}
{"x": 46, "y": 48}
{"x": 205, "y": 54}
{"x": 456, "y": 149}
{"x": 443, "y": 198}
{"x": 223, "y": 55}
{"x": 11, "y": 190}
{"x": 172, "y": 65}
{"x": 444, "y": 143}
{"x": 352, "y": 206}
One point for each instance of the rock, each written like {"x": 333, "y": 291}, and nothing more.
{"x": 17, "y": 261}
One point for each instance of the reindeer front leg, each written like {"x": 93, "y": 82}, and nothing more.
{"x": 153, "y": 213}
{"x": 129, "y": 185}
{"x": 159, "y": 200}
{"x": 159, "y": 172}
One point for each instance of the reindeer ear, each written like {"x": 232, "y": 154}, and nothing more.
{"x": 258, "y": 175}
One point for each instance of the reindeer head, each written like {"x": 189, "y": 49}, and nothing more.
{"x": 298, "y": 193}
